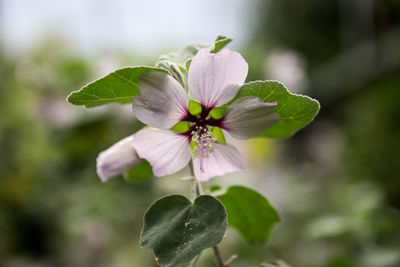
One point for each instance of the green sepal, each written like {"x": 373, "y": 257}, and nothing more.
{"x": 181, "y": 127}
{"x": 218, "y": 112}
{"x": 217, "y": 132}
{"x": 194, "y": 107}
{"x": 193, "y": 145}
{"x": 176, "y": 230}
{"x": 249, "y": 212}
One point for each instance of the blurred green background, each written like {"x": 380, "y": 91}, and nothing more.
{"x": 335, "y": 184}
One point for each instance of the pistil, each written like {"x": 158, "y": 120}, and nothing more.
{"x": 204, "y": 141}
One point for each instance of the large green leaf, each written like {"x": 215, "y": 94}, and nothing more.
{"x": 296, "y": 111}
{"x": 117, "y": 87}
{"x": 249, "y": 212}
{"x": 176, "y": 230}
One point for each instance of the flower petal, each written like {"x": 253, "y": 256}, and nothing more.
{"x": 166, "y": 151}
{"x": 162, "y": 101}
{"x": 224, "y": 159}
{"x": 118, "y": 158}
{"x": 249, "y": 116}
{"x": 214, "y": 79}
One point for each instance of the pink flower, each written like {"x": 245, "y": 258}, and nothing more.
{"x": 213, "y": 81}
{"x": 116, "y": 159}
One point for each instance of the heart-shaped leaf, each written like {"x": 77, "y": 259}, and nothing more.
{"x": 176, "y": 230}
{"x": 249, "y": 212}
{"x": 119, "y": 86}
{"x": 296, "y": 111}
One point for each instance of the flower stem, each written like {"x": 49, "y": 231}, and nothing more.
{"x": 199, "y": 191}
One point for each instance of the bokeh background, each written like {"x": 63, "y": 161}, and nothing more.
{"x": 335, "y": 184}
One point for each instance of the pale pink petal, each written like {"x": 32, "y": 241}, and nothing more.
{"x": 248, "y": 116}
{"x": 224, "y": 159}
{"x": 166, "y": 151}
{"x": 162, "y": 101}
{"x": 118, "y": 158}
{"x": 214, "y": 79}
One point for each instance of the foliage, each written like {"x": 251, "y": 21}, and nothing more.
{"x": 249, "y": 212}
{"x": 176, "y": 230}
{"x": 334, "y": 183}
{"x": 296, "y": 111}
{"x": 166, "y": 231}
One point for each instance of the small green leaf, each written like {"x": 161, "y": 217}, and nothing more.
{"x": 117, "y": 87}
{"x": 180, "y": 57}
{"x": 181, "y": 127}
{"x": 178, "y": 63}
{"x": 187, "y": 63}
{"x": 249, "y": 212}
{"x": 194, "y": 107}
{"x": 218, "y": 112}
{"x": 176, "y": 230}
{"x": 139, "y": 173}
{"x": 176, "y": 71}
{"x": 217, "y": 132}
{"x": 296, "y": 111}
{"x": 220, "y": 43}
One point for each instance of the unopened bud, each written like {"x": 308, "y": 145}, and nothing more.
{"x": 118, "y": 158}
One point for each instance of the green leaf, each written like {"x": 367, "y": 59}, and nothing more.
{"x": 178, "y": 72}
{"x": 178, "y": 63}
{"x": 249, "y": 212}
{"x": 176, "y": 230}
{"x": 139, "y": 173}
{"x": 119, "y": 86}
{"x": 220, "y": 43}
{"x": 182, "y": 56}
{"x": 296, "y": 111}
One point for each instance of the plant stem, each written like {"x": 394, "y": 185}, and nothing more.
{"x": 199, "y": 191}
{"x": 218, "y": 257}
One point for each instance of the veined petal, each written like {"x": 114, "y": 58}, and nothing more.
{"x": 249, "y": 116}
{"x": 224, "y": 159}
{"x": 214, "y": 79}
{"x": 162, "y": 101}
{"x": 118, "y": 158}
{"x": 166, "y": 151}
